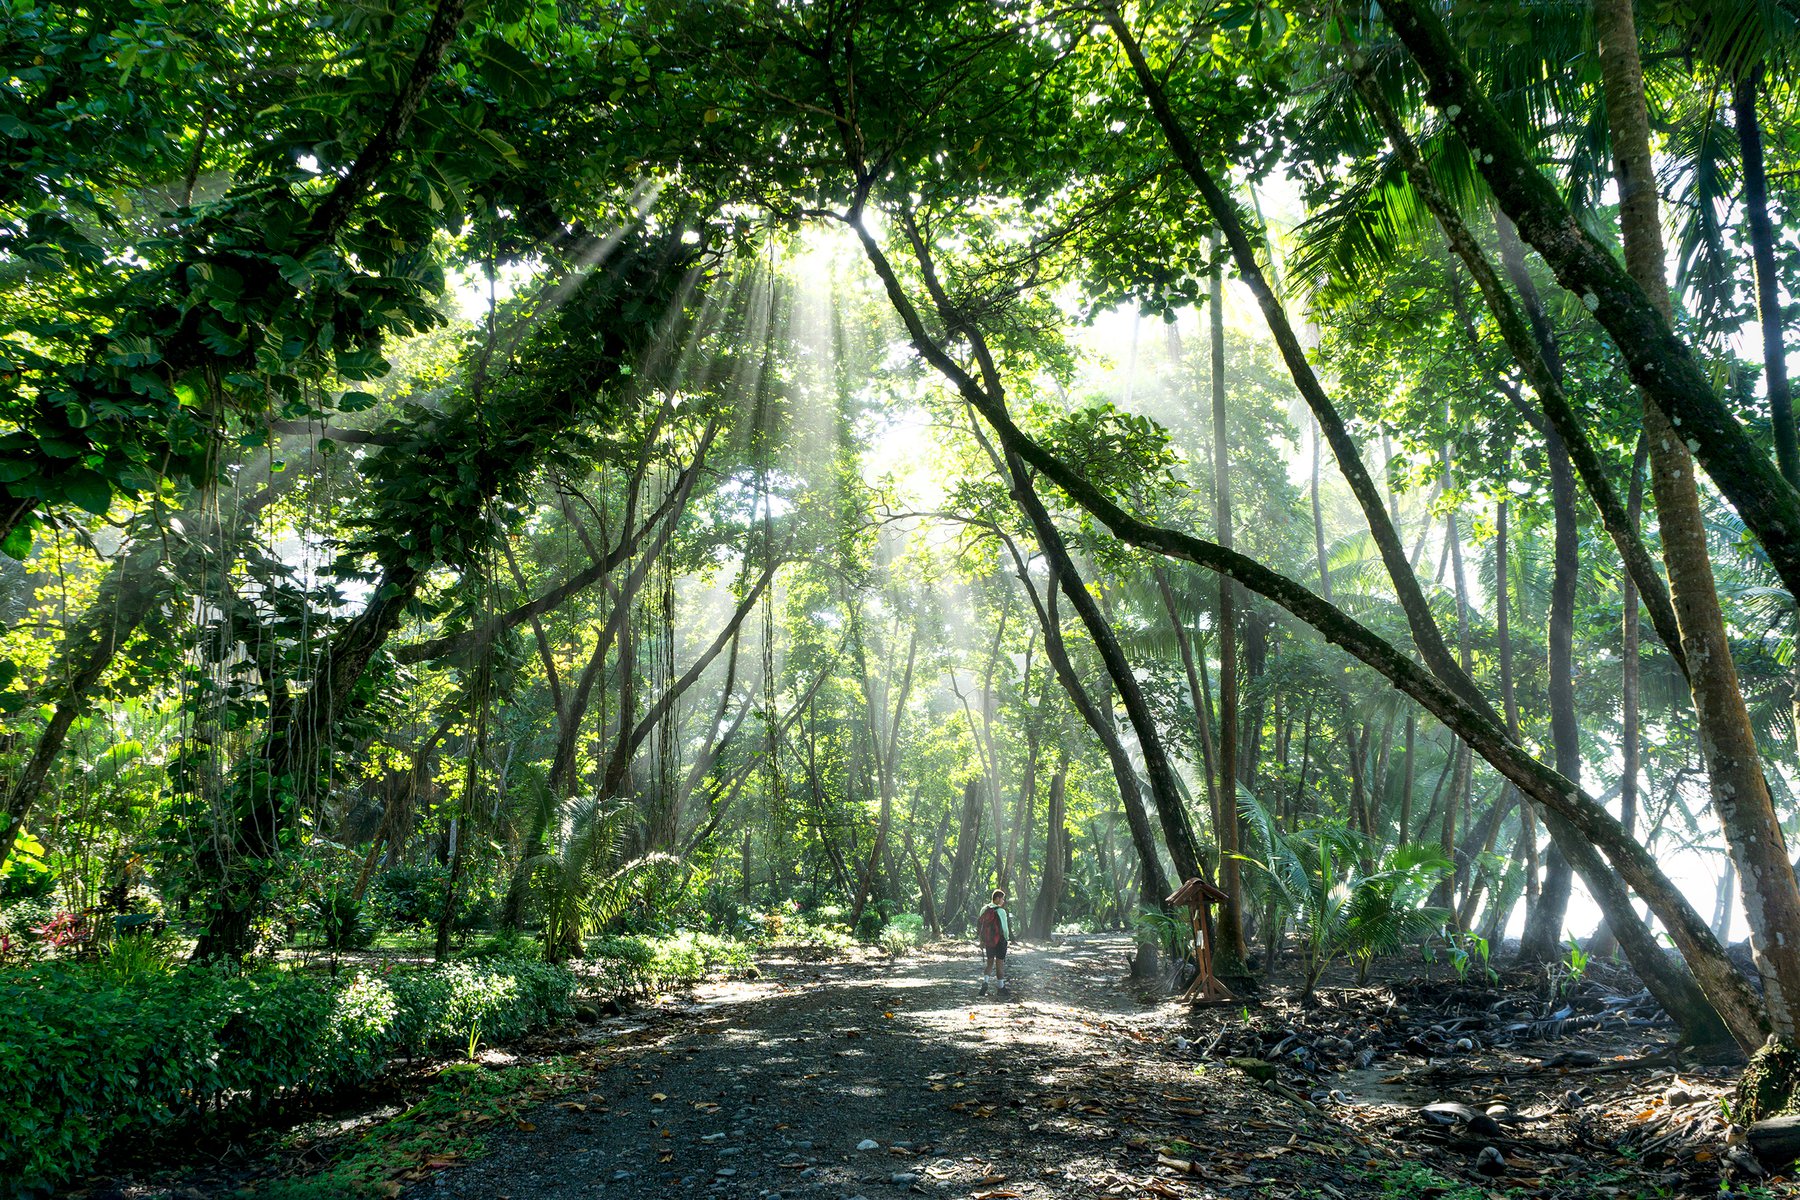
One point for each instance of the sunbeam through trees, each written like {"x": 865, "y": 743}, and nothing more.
{"x": 540, "y": 538}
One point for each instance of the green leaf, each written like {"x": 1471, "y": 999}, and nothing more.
{"x": 513, "y": 75}
{"x": 17, "y": 545}
{"x": 88, "y": 489}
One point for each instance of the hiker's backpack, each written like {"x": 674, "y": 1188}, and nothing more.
{"x": 987, "y": 927}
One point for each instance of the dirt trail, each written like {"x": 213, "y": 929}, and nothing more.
{"x": 1075, "y": 1087}
{"x": 771, "y": 1088}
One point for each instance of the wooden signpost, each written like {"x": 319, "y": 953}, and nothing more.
{"x": 1198, "y": 896}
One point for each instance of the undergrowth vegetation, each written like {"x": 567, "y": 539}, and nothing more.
{"x": 100, "y": 1039}
{"x": 86, "y": 1055}
{"x": 445, "y": 1126}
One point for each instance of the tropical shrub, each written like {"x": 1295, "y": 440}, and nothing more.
{"x": 870, "y": 924}
{"x": 1159, "y": 932}
{"x": 901, "y": 934}
{"x": 1346, "y": 903}
{"x": 26, "y": 874}
{"x": 86, "y": 1055}
{"x": 339, "y": 919}
{"x": 585, "y": 883}
{"x": 640, "y": 963}
{"x": 410, "y": 895}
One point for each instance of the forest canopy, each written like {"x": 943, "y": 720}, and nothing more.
{"x": 543, "y": 470}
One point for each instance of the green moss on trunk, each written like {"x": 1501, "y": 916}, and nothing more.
{"x": 1768, "y": 1086}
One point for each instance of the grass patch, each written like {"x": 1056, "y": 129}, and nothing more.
{"x": 1412, "y": 1181}
{"x": 450, "y": 1124}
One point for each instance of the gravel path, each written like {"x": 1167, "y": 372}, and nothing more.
{"x": 841, "y": 1080}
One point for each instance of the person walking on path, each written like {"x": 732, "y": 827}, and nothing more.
{"x": 994, "y": 928}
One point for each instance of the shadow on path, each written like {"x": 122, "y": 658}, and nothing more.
{"x": 875, "y": 1080}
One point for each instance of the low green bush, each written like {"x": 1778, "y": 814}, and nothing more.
{"x": 644, "y": 963}
{"x": 410, "y": 895}
{"x": 338, "y": 917}
{"x": 85, "y": 1056}
{"x": 813, "y": 935}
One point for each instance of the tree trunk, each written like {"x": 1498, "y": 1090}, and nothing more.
{"x": 962, "y": 859}
{"x": 1762, "y": 256}
{"x": 1542, "y": 939}
{"x": 1659, "y": 361}
{"x": 1739, "y": 790}
{"x": 1197, "y": 693}
{"x": 1230, "y": 915}
{"x": 1164, "y": 790}
{"x": 1131, "y": 797}
{"x": 1464, "y": 761}
{"x": 1408, "y": 777}
{"x": 1056, "y": 847}
{"x": 1526, "y": 850}
{"x": 1631, "y": 733}
{"x": 1472, "y": 719}
{"x": 886, "y": 759}
{"x": 1318, "y": 514}
{"x": 1721, "y": 922}
{"x": 1255, "y": 659}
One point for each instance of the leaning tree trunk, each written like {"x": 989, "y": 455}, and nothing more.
{"x": 1470, "y": 718}
{"x": 1165, "y": 791}
{"x": 1739, "y": 789}
{"x": 1667, "y": 369}
{"x": 1537, "y": 354}
{"x": 1131, "y": 797}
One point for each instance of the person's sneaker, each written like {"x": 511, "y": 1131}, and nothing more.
{"x": 983, "y": 987}
{"x": 1003, "y": 985}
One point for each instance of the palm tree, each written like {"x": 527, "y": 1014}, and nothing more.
{"x": 1314, "y": 875}
{"x": 585, "y": 882}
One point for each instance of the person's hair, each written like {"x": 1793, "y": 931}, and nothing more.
{"x": 999, "y": 894}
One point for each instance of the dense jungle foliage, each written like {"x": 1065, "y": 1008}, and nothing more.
{"x": 571, "y": 478}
